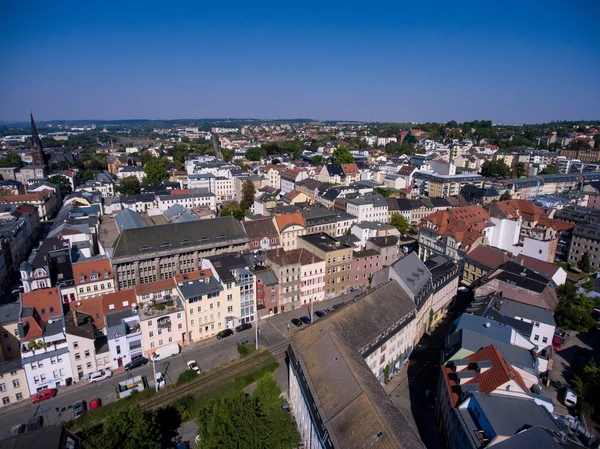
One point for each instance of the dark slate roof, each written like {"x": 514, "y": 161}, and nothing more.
{"x": 129, "y": 219}
{"x": 179, "y": 235}
{"x": 335, "y": 170}
{"x": 439, "y": 202}
{"x": 516, "y": 274}
{"x": 224, "y": 263}
{"x": 45, "y": 438}
{"x": 384, "y": 242}
{"x": 260, "y": 228}
{"x": 199, "y": 287}
{"x": 268, "y": 277}
{"x": 537, "y": 436}
{"x": 351, "y": 403}
{"x": 310, "y": 183}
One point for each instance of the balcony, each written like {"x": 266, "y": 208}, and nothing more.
{"x": 164, "y": 322}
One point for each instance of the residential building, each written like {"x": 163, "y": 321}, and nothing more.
{"x": 554, "y": 272}
{"x": 232, "y": 270}
{"x": 328, "y": 362}
{"x": 93, "y": 277}
{"x": 364, "y": 230}
{"x": 480, "y": 261}
{"x": 387, "y": 247}
{"x": 289, "y": 178}
{"x": 85, "y": 343}
{"x": 154, "y": 253}
{"x": 13, "y": 382}
{"x": 267, "y": 293}
{"x": 189, "y": 200}
{"x": 438, "y": 185}
{"x": 290, "y": 227}
{"x": 224, "y": 189}
{"x": 310, "y": 187}
{"x": 130, "y": 172}
{"x": 262, "y": 234}
{"x": 586, "y": 239}
{"x": 368, "y": 208}
{"x": 9, "y": 327}
{"x": 344, "y": 174}
{"x": 162, "y": 320}
{"x": 338, "y": 257}
{"x": 312, "y": 280}
{"x": 364, "y": 264}
{"x": 46, "y": 202}
{"x": 124, "y": 336}
{"x": 44, "y": 349}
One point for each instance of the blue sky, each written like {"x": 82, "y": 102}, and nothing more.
{"x": 510, "y": 62}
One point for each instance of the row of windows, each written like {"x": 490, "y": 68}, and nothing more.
{"x": 160, "y": 342}
{"x": 6, "y": 399}
{"x": 88, "y": 288}
{"x": 15, "y": 383}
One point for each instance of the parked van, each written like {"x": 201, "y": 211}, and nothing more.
{"x": 166, "y": 351}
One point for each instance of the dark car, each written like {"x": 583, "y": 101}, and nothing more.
{"x": 79, "y": 408}
{"x": 243, "y": 327}
{"x": 35, "y": 424}
{"x": 305, "y": 319}
{"x": 296, "y": 322}
{"x": 319, "y": 313}
{"x": 336, "y": 306}
{"x": 327, "y": 310}
{"x": 140, "y": 361}
{"x": 224, "y": 333}
{"x": 17, "y": 430}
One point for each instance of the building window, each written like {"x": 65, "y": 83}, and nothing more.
{"x": 16, "y": 383}
{"x": 77, "y": 356}
{"x": 2, "y": 388}
{"x": 536, "y": 338}
{"x": 151, "y": 344}
{"x": 5, "y": 401}
{"x": 230, "y": 309}
{"x": 545, "y": 340}
{"x": 150, "y": 334}
{"x": 19, "y": 396}
{"x": 87, "y": 354}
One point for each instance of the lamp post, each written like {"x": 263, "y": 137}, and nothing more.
{"x": 153, "y": 357}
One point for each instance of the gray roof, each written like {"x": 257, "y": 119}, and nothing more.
{"x": 44, "y": 355}
{"x": 174, "y": 210}
{"x": 413, "y": 272}
{"x": 179, "y": 235}
{"x": 186, "y": 217}
{"x": 44, "y": 438}
{"x": 351, "y": 403}
{"x": 129, "y": 219}
{"x": 508, "y": 415}
{"x": 9, "y": 313}
{"x": 268, "y": 277}
{"x": 199, "y": 287}
{"x": 11, "y": 365}
{"x": 374, "y": 225}
{"x": 114, "y": 322}
{"x": 537, "y": 436}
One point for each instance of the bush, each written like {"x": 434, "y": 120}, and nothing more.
{"x": 245, "y": 349}
{"x": 186, "y": 376}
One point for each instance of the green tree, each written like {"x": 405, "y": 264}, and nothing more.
{"x": 586, "y": 385}
{"x": 254, "y": 154}
{"x": 11, "y": 160}
{"x": 584, "y": 263}
{"x": 341, "y": 155}
{"x": 227, "y": 155}
{"x": 88, "y": 175}
{"x": 317, "y": 160}
{"x": 574, "y": 310}
{"x": 400, "y": 223}
{"x": 60, "y": 165}
{"x": 495, "y": 169}
{"x": 63, "y": 183}
{"x": 233, "y": 209}
{"x": 247, "y": 195}
{"x": 127, "y": 429}
{"x": 548, "y": 170}
{"x": 155, "y": 172}
{"x": 520, "y": 170}
{"x": 128, "y": 186}
{"x": 181, "y": 152}
{"x": 506, "y": 196}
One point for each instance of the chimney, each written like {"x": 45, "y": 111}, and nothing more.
{"x": 75, "y": 320}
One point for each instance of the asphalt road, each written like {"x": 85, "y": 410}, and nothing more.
{"x": 208, "y": 354}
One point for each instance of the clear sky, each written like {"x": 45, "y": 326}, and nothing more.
{"x": 509, "y": 61}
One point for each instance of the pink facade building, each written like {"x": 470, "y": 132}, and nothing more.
{"x": 364, "y": 264}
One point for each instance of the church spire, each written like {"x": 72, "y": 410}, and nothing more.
{"x": 37, "y": 153}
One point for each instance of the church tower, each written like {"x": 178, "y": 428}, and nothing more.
{"x": 37, "y": 153}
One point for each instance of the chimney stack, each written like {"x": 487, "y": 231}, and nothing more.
{"x": 75, "y": 320}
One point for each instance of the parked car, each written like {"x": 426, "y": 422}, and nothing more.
{"x": 243, "y": 327}
{"x": 17, "y": 430}
{"x": 319, "y": 313}
{"x": 43, "y": 395}
{"x": 160, "y": 380}
{"x": 182, "y": 445}
{"x": 463, "y": 289}
{"x": 336, "y": 306}
{"x": 570, "y": 398}
{"x": 193, "y": 366}
{"x": 100, "y": 375}
{"x": 140, "y": 361}
{"x": 296, "y": 322}
{"x": 95, "y": 403}
{"x": 327, "y": 310}
{"x": 224, "y": 333}
{"x": 556, "y": 344}
{"x": 79, "y": 408}
{"x": 35, "y": 424}
{"x": 305, "y": 319}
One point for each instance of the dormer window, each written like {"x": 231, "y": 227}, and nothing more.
{"x": 106, "y": 275}
{"x": 94, "y": 276}
{"x": 81, "y": 278}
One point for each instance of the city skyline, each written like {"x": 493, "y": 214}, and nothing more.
{"x": 519, "y": 64}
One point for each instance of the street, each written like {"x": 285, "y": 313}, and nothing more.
{"x": 207, "y": 353}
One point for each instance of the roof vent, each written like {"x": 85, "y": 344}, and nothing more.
{"x": 487, "y": 324}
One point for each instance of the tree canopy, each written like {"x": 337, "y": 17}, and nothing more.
{"x": 130, "y": 429}
{"x": 155, "y": 172}
{"x": 248, "y": 191}
{"x": 494, "y": 169}
{"x": 400, "y": 222}
{"x": 257, "y": 420}
{"x": 254, "y": 154}
{"x": 11, "y": 160}
{"x": 232, "y": 208}
{"x": 506, "y": 196}
{"x": 128, "y": 186}
{"x": 63, "y": 183}
{"x": 342, "y": 155}
{"x": 585, "y": 263}
{"x": 574, "y": 310}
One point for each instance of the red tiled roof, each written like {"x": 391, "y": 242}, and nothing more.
{"x": 487, "y": 256}
{"x": 284, "y": 221}
{"x": 152, "y": 287}
{"x": 537, "y": 265}
{"x": 93, "y": 307}
{"x": 193, "y": 275}
{"x": 111, "y": 302}
{"x": 350, "y": 169}
{"x": 500, "y": 373}
{"x": 87, "y": 268}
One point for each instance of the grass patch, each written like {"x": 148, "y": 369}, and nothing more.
{"x": 187, "y": 376}
{"x": 245, "y": 349}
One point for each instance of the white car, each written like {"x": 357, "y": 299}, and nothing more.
{"x": 100, "y": 375}
{"x": 570, "y": 398}
{"x": 193, "y": 366}
{"x": 160, "y": 380}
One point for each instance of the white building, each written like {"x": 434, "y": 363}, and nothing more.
{"x": 188, "y": 200}
{"x": 124, "y": 336}
{"x": 368, "y": 209}
{"x": 312, "y": 284}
